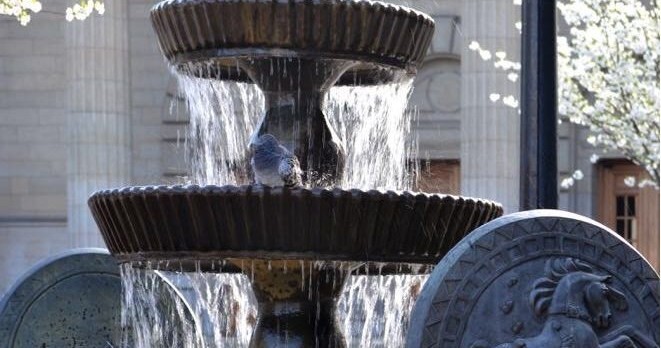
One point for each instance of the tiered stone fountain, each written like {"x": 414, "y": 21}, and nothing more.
{"x": 294, "y": 51}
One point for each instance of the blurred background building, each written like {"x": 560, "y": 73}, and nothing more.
{"x": 86, "y": 105}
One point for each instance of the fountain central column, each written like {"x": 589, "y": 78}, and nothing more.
{"x": 294, "y": 90}
{"x": 296, "y": 303}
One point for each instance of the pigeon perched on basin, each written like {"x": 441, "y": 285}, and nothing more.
{"x": 273, "y": 164}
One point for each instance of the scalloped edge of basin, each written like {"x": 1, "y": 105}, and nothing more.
{"x": 218, "y": 31}
{"x": 260, "y": 222}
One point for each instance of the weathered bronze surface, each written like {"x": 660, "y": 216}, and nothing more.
{"x": 260, "y": 222}
{"x": 541, "y": 278}
{"x": 206, "y": 31}
{"x": 70, "y": 300}
{"x": 295, "y": 302}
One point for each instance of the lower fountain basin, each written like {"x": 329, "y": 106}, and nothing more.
{"x": 211, "y": 223}
{"x": 297, "y": 245}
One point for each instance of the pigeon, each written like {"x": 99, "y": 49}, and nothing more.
{"x": 273, "y": 164}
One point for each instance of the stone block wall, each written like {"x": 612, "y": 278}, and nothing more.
{"x": 32, "y": 118}
{"x": 33, "y": 142}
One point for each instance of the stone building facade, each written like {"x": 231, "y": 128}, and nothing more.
{"x": 85, "y": 105}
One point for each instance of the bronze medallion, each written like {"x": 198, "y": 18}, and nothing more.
{"x": 539, "y": 279}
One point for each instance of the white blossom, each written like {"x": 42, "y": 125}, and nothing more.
{"x": 578, "y": 175}
{"x": 85, "y": 8}
{"x": 511, "y": 101}
{"x": 100, "y": 7}
{"x": 567, "y": 183}
{"x": 485, "y": 54}
{"x": 646, "y": 183}
{"x": 69, "y": 15}
{"x": 494, "y": 97}
{"x": 22, "y": 9}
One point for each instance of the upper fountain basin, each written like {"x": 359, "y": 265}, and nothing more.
{"x": 215, "y": 33}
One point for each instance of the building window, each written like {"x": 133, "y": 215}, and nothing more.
{"x": 629, "y": 210}
{"x": 625, "y": 219}
{"x": 439, "y": 176}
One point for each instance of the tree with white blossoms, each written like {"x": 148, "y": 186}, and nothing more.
{"x": 608, "y": 72}
{"x": 22, "y": 10}
{"x": 608, "y": 77}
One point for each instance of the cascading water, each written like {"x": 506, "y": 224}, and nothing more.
{"x": 372, "y": 122}
{"x": 373, "y": 125}
{"x": 374, "y": 310}
{"x": 185, "y": 309}
{"x": 222, "y": 114}
{"x": 154, "y": 313}
{"x": 201, "y": 309}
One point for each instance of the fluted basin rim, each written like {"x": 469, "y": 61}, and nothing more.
{"x": 395, "y": 7}
{"x": 260, "y": 222}
{"x": 184, "y": 188}
{"x": 211, "y": 31}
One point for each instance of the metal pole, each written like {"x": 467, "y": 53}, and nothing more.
{"x": 539, "y": 98}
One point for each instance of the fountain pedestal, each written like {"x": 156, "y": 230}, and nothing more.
{"x": 295, "y": 304}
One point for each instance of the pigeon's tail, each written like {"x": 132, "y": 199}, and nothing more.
{"x": 290, "y": 172}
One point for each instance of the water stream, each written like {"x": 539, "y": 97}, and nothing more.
{"x": 222, "y": 116}
{"x": 374, "y": 127}
{"x": 166, "y": 308}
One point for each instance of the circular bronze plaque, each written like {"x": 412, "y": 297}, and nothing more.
{"x": 541, "y": 278}
{"x": 70, "y": 300}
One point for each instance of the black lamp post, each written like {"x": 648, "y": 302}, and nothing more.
{"x": 539, "y": 105}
